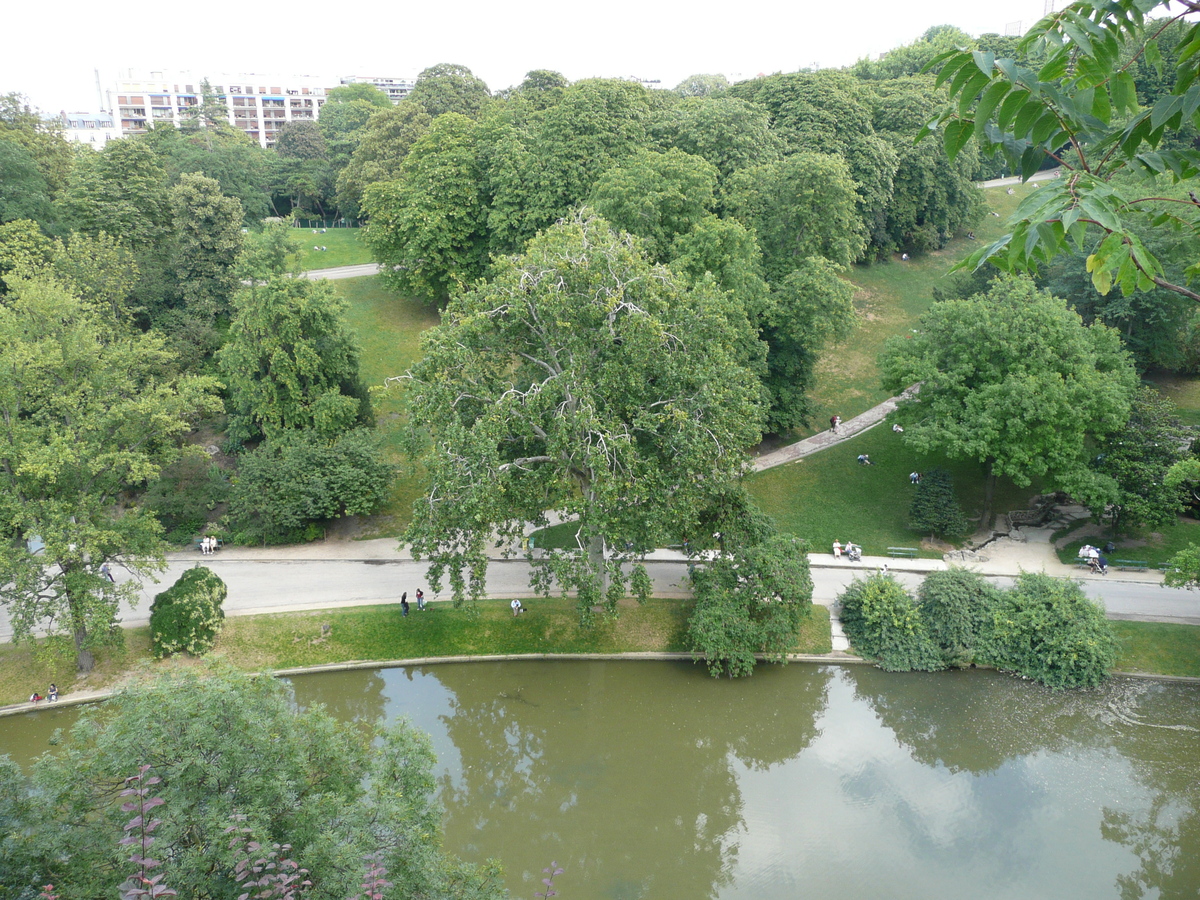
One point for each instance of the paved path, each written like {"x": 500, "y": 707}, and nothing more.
{"x": 342, "y": 272}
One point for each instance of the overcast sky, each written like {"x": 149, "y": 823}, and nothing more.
{"x": 52, "y": 48}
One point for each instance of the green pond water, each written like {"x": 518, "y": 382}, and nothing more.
{"x": 651, "y": 780}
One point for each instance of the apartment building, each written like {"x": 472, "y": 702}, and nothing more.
{"x": 258, "y": 105}
{"x": 92, "y": 129}
{"x": 396, "y": 88}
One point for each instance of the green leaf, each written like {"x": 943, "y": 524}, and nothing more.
{"x": 985, "y": 60}
{"x": 991, "y": 97}
{"x": 956, "y": 135}
{"x": 1154, "y": 57}
{"x": 1008, "y": 109}
{"x": 972, "y": 88}
{"x": 1124, "y": 92}
{"x": 1029, "y": 114}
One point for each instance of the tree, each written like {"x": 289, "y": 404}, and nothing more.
{"x": 219, "y": 151}
{"x": 291, "y": 362}
{"x": 297, "y": 478}
{"x": 582, "y": 380}
{"x": 542, "y": 87}
{"x": 23, "y": 250}
{"x": 426, "y": 228}
{"x": 24, "y": 193}
{"x": 188, "y": 616}
{"x": 1049, "y": 630}
{"x": 800, "y": 207}
{"x": 956, "y": 606}
{"x": 208, "y": 240}
{"x": 21, "y": 124}
{"x": 595, "y": 125}
{"x": 885, "y": 624}
{"x": 301, "y": 139}
{"x": 1013, "y": 379}
{"x": 934, "y": 507}
{"x": 809, "y": 309}
{"x": 656, "y": 196}
{"x": 748, "y": 602}
{"x": 359, "y": 92}
{"x": 89, "y": 416}
{"x": 1137, "y": 459}
{"x": 447, "y": 87}
{"x": 829, "y": 112}
{"x": 1080, "y": 110}
{"x": 934, "y": 197}
{"x": 383, "y": 144}
{"x": 731, "y": 134}
{"x": 234, "y": 752}
{"x": 702, "y": 85}
{"x": 121, "y": 190}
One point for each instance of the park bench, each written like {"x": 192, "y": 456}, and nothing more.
{"x": 196, "y": 544}
{"x": 902, "y": 552}
{"x": 1131, "y": 565}
{"x": 1165, "y": 567}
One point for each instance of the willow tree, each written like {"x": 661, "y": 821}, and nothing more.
{"x": 584, "y": 381}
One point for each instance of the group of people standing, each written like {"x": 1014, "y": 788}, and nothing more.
{"x": 420, "y": 598}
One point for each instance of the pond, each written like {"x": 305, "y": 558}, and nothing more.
{"x": 651, "y": 780}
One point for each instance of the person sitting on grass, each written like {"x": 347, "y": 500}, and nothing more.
{"x": 864, "y": 460}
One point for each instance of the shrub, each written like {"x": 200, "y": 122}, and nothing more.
{"x": 298, "y": 478}
{"x": 956, "y": 606}
{"x": 934, "y": 507}
{"x": 188, "y": 615}
{"x": 184, "y": 494}
{"x": 1047, "y": 629}
{"x": 749, "y": 602}
{"x": 884, "y": 623}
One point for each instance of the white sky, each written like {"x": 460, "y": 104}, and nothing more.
{"x": 53, "y": 47}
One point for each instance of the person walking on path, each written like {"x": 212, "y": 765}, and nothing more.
{"x": 420, "y": 600}
{"x": 404, "y": 604}
{"x": 834, "y": 422}
{"x": 107, "y": 573}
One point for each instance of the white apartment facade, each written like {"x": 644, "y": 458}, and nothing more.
{"x": 90, "y": 129}
{"x": 396, "y": 88}
{"x": 258, "y": 105}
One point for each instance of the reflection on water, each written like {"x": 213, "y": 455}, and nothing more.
{"x": 651, "y": 780}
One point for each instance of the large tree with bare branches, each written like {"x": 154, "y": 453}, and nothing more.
{"x": 585, "y": 381}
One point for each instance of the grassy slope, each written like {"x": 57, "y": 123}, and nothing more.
{"x": 344, "y": 248}
{"x": 389, "y": 332}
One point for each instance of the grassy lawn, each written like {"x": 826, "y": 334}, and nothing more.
{"x": 343, "y": 248}
{"x": 829, "y": 495}
{"x": 389, "y": 332}
{"x": 1158, "y": 648}
{"x": 380, "y": 633}
{"x": 1183, "y": 391}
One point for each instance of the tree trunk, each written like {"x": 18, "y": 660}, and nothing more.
{"x": 84, "y": 660}
{"x": 596, "y": 548}
{"x": 989, "y": 489}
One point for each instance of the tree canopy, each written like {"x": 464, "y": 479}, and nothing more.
{"x": 233, "y": 760}
{"x": 1014, "y": 379}
{"x": 581, "y": 380}
{"x": 91, "y": 413}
